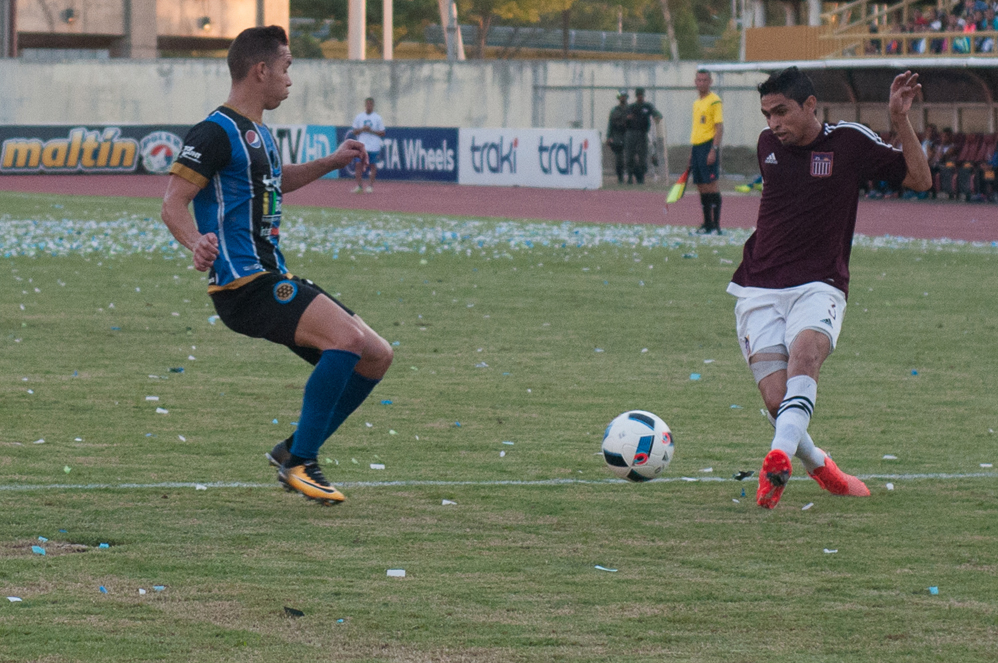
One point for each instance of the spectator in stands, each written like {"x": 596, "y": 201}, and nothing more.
{"x": 936, "y": 22}
{"x": 956, "y": 24}
{"x": 987, "y": 23}
{"x": 930, "y": 142}
{"x": 945, "y": 151}
{"x": 873, "y": 46}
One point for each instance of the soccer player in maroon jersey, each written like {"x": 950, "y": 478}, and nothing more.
{"x": 793, "y": 281}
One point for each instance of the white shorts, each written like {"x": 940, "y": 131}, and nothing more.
{"x": 767, "y": 319}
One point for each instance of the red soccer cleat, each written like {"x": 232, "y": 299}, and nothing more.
{"x": 773, "y": 478}
{"x": 837, "y": 482}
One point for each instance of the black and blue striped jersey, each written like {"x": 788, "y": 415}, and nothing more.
{"x": 237, "y": 164}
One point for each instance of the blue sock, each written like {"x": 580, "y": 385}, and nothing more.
{"x": 322, "y": 392}
{"x": 357, "y": 390}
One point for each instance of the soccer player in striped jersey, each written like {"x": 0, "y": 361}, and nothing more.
{"x": 793, "y": 280}
{"x": 230, "y": 168}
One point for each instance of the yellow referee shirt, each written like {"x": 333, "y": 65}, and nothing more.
{"x": 706, "y": 113}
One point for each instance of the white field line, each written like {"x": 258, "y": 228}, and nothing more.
{"x": 404, "y": 484}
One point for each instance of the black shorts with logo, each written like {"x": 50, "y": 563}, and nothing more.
{"x": 702, "y": 173}
{"x": 270, "y": 306}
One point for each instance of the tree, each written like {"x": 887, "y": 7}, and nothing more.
{"x": 483, "y": 12}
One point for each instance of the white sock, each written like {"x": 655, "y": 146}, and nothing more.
{"x": 795, "y": 413}
{"x": 810, "y": 455}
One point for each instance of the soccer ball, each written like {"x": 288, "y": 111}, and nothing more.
{"x": 637, "y": 446}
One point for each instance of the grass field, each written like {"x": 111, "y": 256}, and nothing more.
{"x": 534, "y": 334}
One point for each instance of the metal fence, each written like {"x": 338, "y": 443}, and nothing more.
{"x": 578, "y": 40}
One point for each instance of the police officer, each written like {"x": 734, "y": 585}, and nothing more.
{"x": 639, "y": 117}
{"x": 616, "y": 132}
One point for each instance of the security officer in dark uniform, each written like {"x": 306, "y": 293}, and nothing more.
{"x": 616, "y": 133}
{"x": 639, "y": 117}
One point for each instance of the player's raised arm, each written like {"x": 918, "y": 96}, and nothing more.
{"x": 298, "y": 175}
{"x": 903, "y": 91}
{"x": 177, "y": 217}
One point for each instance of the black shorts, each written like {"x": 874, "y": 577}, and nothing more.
{"x": 701, "y": 172}
{"x": 270, "y": 306}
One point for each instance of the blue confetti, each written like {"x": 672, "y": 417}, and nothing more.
{"x": 38, "y": 550}
{"x": 914, "y": 372}
{"x": 103, "y": 545}
{"x": 386, "y": 402}
{"x": 457, "y": 423}
{"x": 158, "y": 588}
{"x": 76, "y": 374}
{"x": 42, "y": 539}
{"x": 103, "y": 589}
{"x": 340, "y": 621}
{"x": 63, "y": 531}
{"x": 736, "y": 407}
{"x": 274, "y": 421}
{"x": 694, "y": 376}
{"x": 933, "y": 590}
{"x": 396, "y": 343}
{"x": 115, "y": 328}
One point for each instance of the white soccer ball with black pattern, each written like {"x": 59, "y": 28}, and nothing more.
{"x": 637, "y": 446}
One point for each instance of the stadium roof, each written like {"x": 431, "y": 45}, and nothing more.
{"x": 858, "y": 63}
{"x": 944, "y": 80}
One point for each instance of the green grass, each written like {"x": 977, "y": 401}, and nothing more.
{"x": 508, "y": 573}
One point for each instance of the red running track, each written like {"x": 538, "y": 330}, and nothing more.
{"x": 919, "y": 219}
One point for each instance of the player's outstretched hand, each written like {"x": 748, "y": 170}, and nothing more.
{"x": 205, "y": 252}
{"x": 347, "y": 152}
{"x": 903, "y": 91}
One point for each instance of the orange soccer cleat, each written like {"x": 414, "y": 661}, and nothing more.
{"x": 837, "y": 482}
{"x": 773, "y": 478}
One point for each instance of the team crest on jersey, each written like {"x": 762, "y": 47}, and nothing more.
{"x": 821, "y": 164}
{"x": 253, "y": 139}
{"x": 285, "y": 291}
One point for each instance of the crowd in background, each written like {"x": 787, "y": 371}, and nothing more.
{"x": 968, "y": 17}
{"x": 963, "y": 166}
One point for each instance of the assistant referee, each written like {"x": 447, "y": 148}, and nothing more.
{"x": 708, "y": 127}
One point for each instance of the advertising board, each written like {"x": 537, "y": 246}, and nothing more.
{"x": 78, "y": 149}
{"x": 547, "y": 158}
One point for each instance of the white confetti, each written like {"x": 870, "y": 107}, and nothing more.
{"x": 396, "y": 573}
{"x": 200, "y": 486}
{"x": 152, "y": 398}
{"x": 830, "y": 552}
{"x": 447, "y": 503}
{"x": 377, "y": 466}
{"x": 890, "y": 486}
{"x": 807, "y": 506}
{"x": 890, "y": 457}
{"x": 160, "y": 410}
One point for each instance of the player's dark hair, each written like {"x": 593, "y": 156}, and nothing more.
{"x": 252, "y": 46}
{"x": 792, "y": 83}
{"x": 704, "y": 71}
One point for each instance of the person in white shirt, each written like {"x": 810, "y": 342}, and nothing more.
{"x": 368, "y": 128}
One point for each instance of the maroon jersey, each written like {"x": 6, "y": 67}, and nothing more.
{"x": 808, "y": 210}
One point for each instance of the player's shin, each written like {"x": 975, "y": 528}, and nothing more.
{"x": 322, "y": 392}
{"x": 794, "y": 413}
{"x": 357, "y": 389}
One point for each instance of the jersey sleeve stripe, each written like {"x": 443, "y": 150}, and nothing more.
{"x": 866, "y": 131}
{"x": 192, "y": 176}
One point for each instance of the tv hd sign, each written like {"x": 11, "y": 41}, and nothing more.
{"x": 547, "y": 158}
{"x": 413, "y": 153}
{"x": 301, "y": 143}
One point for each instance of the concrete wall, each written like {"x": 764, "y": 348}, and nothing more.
{"x": 408, "y": 93}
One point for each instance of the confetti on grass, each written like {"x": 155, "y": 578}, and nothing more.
{"x": 387, "y": 234}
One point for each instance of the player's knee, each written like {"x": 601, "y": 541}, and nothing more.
{"x": 382, "y": 353}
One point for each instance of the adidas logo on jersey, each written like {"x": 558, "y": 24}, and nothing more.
{"x": 827, "y": 321}
{"x": 771, "y": 158}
